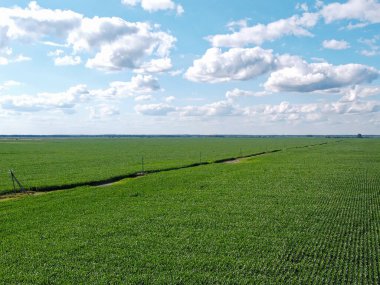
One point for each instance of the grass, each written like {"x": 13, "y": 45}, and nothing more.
{"x": 42, "y": 163}
{"x": 308, "y": 215}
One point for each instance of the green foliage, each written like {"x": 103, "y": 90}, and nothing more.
{"x": 39, "y": 163}
{"x": 302, "y": 216}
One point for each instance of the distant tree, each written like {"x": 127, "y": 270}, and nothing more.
{"x": 359, "y": 136}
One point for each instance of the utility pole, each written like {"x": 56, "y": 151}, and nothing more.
{"x": 15, "y": 180}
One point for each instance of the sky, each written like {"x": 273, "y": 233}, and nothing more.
{"x": 189, "y": 67}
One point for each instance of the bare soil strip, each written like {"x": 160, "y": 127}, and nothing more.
{"x": 237, "y": 160}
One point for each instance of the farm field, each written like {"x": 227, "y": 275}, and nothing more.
{"x": 299, "y": 216}
{"x": 56, "y": 162}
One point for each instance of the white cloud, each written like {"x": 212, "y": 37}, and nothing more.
{"x": 306, "y": 77}
{"x": 155, "y": 66}
{"x": 4, "y": 60}
{"x": 367, "y": 11}
{"x": 176, "y": 72}
{"x": 143, "y": 98}
{"x": 302, "y": 6}
{"x": 352, "y": 26}
{"x": 310, "y": 112}
{"x": 236, "y": 93}
{"x": 235, "y": 64}
{"x": 359, "y": 92}
{"x": 6, "y": 51}
{"x": 57, "y": 52}
{"x": 6, "y": 56}
{"x": 287, "y": 72}
{"x": 21, "y": 58}
{"x": 336, "y": 44}
{"x": 116, "y": 44}
{"x": 219, "y": 108}
{"x": 65, "y": 101}
{"x": 285, "y": 111}
{"x": 170, "y": 99}
{"x": 103, "y": 111}
{"x": 372, "y": 48}
{"x": 260, "y": 33}
{"x": 160, "y": 109}
{"x": 123, "y": 45}
{"x": 156, "y": 5}
{"x": 369, "y": 53}
{"x": 67, "y": 60}
{"x": 35, "y": 23}
{"x": 318, "y": 4}
{"x": 139, "y": 84}
{"x": 60, "y": 59}
{"x": 237, "y": 25}
{"x": 53, "y": 44}
{"x": 9, "y": 84}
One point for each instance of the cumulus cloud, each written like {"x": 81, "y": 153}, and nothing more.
{"x": 372, "y": 47}
{"x": 4, "y": 61}
{"x": 60, "y": 59}
{"x": 160, "y": 109}
{"x": 19, "y": 58}
{"x": 7, "y": 57}
{"x": 9, "y": 84}
{"x": 116, "y": 43}
{"x": 285, "y": 111}
{"x": 35, "y": 23}
{"x": 235, "y": 64}
{"x": 139, "y": 84}
{"x": 302, "y": 6}
{"x": 155, "y": 66}
{"x": 310, "y": 112}
{"x": 305, "y": 77}
{"x": 170, "y": 99}
{"x": 236, "y": 93}
{"x": 260, "y": 33}
{"x": 220, "y": 108}
{"x": 143, "y": 98}
{"x": 156, "y": 5}
{"x": 287, "y": 72}
{"x": 364, "y": 11}
{"x": 369, "y": 53}
{"x": 367, "y": 11}
{"x": 123, "y": 45}
{"x": 64, "y": 101}
{"x": 358, "y": 92}
{"x": 67, "y": 60}
{"x": 55, "y": 53}
{"x": 335, "y": 44}
{"x": 103, "y": 111}
{"x": 68, "y": 100}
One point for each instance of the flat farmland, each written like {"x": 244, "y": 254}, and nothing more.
{"x": 56, "y": 162}
{"x": 299, "y": 216}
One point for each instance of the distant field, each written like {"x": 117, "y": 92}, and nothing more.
{"x": 55, "y": 162}
{"x": 300, "y": 216}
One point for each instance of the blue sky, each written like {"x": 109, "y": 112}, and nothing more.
{"x": 189, "y": 67}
